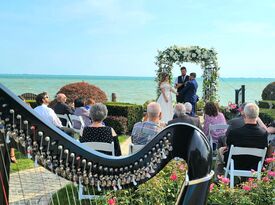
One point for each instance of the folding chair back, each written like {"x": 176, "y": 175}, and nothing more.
{"x": 134, "y": 148}
{"x": 66, "y": 119}
{"x": 244, "y": 173}
{"x": 77, "y": 123}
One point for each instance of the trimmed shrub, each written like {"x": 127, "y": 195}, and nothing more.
{"x": 84, "y": 90}
{"x": 32, "y": 103}
{"x": 268, "y": 104}
{"x": 132, "y": 112}
{"x": 269, "y": 92}
{"x": 118, "y": 123}
{"x": 267, "y": 115}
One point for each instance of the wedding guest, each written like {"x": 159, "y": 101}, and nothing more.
{"x": 44, "y": 111}
{"x": 250, "y": 135}
{"x": 165, "y": 98}
{"x": 80, "y": 110}
{"x": 144, "y": 132}
{"x": 97, "y": 132}
{"x": 190, "y": 92}
{"x": 181, "y": 116}
{"x": 61, "y": 107}
{"x": 212, "y": 116}
{"x": 89, "y": 103}
{"x": 180, "y": 83}
{"x": 48, "y": 114}
{"x": 188, "y": 108}
{"x": 237, "y": 122}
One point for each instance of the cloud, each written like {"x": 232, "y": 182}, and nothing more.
{"x": 110, "y": 13}
{"x": 252, "y": 29}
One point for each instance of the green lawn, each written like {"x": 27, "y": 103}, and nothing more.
{"x": 122, "y": 138}
{"x": 22, "y": 163}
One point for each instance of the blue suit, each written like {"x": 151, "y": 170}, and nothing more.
{"x": 189, "y": 93}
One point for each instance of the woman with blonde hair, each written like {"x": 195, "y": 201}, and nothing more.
{"x": 165, "y": 98}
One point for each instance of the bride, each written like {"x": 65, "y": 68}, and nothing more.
{"x": 165, "y": 98}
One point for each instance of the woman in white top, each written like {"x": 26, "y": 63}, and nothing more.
{"x": 165, "y": 98}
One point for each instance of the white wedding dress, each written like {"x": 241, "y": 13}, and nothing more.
{"x": 166, "y": 107}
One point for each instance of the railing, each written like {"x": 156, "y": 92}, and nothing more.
{"x": 240, "y": 95}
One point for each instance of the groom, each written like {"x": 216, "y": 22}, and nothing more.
{"x": 180, "y": 83}
{"x": 189, "y": 92}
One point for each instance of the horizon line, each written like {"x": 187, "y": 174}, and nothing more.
{"x": 81, "y": 75}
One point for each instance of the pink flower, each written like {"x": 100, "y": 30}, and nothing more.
{"x": 250, "y": 179}
{"x": 265, "y": 179}
{"x": 269, "y": 160}
{"x": 271, "y": 173}
{"x": 220, "y": 177}
{"x": 111, "y": 201}
{"x": 182, "y": 167}
{"x": 254, "y": 185}
{"x": 174, "y": 177}
{"x": 211, "y": 187}
{"x": 246, "y": 188}
{"x": 225, "y": 180}
{"x": 263, "y": 169}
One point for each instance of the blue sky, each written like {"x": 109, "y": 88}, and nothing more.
{"x": 119, "y": 37}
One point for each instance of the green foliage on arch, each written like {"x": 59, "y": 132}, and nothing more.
{"x": 207, "y": 58}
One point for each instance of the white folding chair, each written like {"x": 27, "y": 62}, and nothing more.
{"x": 77, "y": 123}
{"x": 99, "y": 146}
{"x": 65, "y": 117}
{"x": 243, "y": 173}
{"x": 215, "y": 128}
{"x": 134, "y": 148}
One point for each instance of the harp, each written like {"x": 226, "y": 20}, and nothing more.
{"x": 66, "y": 157}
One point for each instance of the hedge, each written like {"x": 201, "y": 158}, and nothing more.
{"x": 267, "y": 115}
{"x": 132, "y": 112}
{"x": 118, "y": 123}
{"x": 267, "y": 104}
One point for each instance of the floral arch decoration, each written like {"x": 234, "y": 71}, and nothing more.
{"x": 207, "y": 58}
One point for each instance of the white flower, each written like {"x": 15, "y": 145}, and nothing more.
{"x": 194, "y": 55}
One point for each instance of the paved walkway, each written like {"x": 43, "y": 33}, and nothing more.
{"x": 37, "y": 185}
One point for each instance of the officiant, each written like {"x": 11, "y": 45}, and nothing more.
{"x": 180, "y": 83}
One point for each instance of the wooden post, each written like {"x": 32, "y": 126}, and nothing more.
{"x": 113, "y": 97}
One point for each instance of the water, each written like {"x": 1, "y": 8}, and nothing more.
{"x": 128, "y": 89}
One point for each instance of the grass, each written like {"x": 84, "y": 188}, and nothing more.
{"x": 122, "y": 138}
{"x": 22, "y": 163}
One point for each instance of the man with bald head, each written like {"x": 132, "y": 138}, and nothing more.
{"x": 144, "y": 132}
{"x": 61, "y": 107}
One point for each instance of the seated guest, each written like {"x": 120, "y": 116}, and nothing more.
{"x": 89, "y": 103}
{"x": 81, "y": 111}
{"x": 239, "y": 121}
{"x": 144, "y": 132}
{"x": 44, "y": 111}
{"x": 61, "y": 107}
{"x": 181, "y": 116}
{"x": 212, "y": 116}
{"x": 271, "y": 147}
{"x": 188, "y": 108}
{"x": 97, "y": 132}
{"x": 48, "y": 114}
{"x": 250, "y": 135}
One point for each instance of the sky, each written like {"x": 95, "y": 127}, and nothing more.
{"x": 121, "y": 38}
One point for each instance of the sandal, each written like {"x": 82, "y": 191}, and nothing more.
{"x": 13, "y": 159}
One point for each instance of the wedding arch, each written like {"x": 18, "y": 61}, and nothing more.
{"x": 207, "y": 58}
